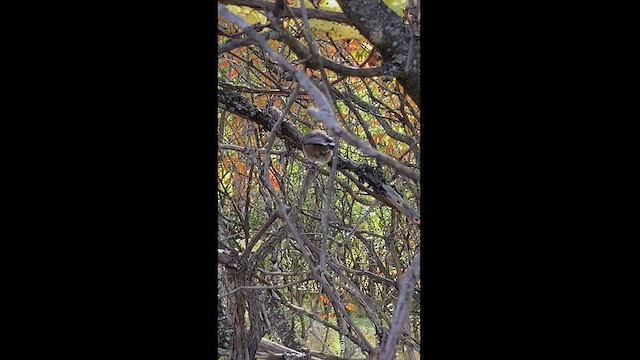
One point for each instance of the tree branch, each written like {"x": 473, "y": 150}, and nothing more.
{"x": 401, "y": 311}
{"x": 236, "y": 43}
{"x": 313, "y": 13}
{"x": 239, "y": 105}
{"x": 391, "y": 36}
{"x": 316, "y": 62}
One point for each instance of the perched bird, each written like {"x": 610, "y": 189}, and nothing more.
{"x": 318, "y": 147}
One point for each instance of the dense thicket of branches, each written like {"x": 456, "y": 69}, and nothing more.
{"x": 309, "y": 255}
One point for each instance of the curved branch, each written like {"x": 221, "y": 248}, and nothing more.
{"x": 330, "y": 121}
{"x": 289, "y": 133}
{"x": 349, "y": 96}
{"x": 325, "y": 114}
{"x": 233, "y": 44}
{"x": 401, "y": 310}
{"x": 312, "y": 13}
{"x": 391, "y": 36}
{"x": 314, "y": 63}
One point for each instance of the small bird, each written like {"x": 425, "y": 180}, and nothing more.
{"x": 318, "y": 147}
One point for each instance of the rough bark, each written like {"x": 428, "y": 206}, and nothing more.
{"x": 279, "y": 323}
{"x": 391, "y": 37}
{"x": 237, "y": 307}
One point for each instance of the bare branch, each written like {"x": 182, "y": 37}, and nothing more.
{"x": 233, "y": 44}
{"x": 313, "y": 13}
{"x": 291, "y": 135}
{"x": 319, "y": 61}
{"x": 401, "y": 311}
{"x": 388, "y": 33}
{"x": 331, "y": 122}
{"x": 264, "y": 287}
{"x": 310, "y": 250}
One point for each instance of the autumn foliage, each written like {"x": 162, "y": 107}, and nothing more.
{"x": 280, "y": 220}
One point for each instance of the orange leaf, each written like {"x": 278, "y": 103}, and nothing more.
{"x": 240, "y": 166}
{"x": 354, "y": 45}
{"x": 324, "y": 316}
{"x": 274, "y": 181}
{"x": 350, "y": 306}
{"x": 325, "y": 299}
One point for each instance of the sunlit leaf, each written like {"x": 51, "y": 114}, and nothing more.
{"x": 337, "y": 31}
{"x": 252, "y": 16}
{"x": 397, "y": 6}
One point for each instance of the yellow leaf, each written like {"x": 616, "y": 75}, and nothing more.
{"x": 336, "y": 30}
{"x": 227, "y": 179}
{"x": 252, "y": 16}
{"x": 331, "y": 5}
{"x": 397, "y": 6}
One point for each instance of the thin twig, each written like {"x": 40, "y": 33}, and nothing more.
{"x": 272, "y": 135}
{"x": 265, "y": 287}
